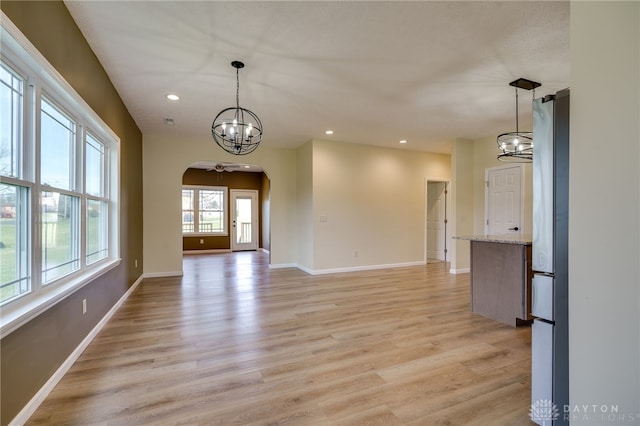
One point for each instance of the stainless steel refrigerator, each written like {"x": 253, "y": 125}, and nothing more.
{"x": 550, "y": 329}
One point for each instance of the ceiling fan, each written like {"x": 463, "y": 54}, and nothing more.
{"x": 226, "y": 167}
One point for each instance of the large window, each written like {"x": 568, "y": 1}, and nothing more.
{"x": 58, "y": 195}
{"x": 203, "y": 210}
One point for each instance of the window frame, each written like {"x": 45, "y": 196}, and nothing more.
{"x": 195, "y": 208}
{"x": 41, "y": 80}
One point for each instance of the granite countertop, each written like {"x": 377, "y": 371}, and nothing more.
{"x": 524, "y": 239}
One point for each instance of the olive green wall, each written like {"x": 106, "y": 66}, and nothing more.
{"x": 232, "y": 180}
{"x": 33, "y": 352}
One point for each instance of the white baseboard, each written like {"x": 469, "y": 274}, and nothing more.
{"x": 283, "y": 265}
{"x": 28, "y": 410}
{"x": 208, "y": 251}
{"x": 264, "y": 250}
{"x": 460, "y": 271}
{"x": 162, "y": 274}
{"x": 359, "y": 268}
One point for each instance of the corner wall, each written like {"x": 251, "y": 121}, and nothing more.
{"x": 369, "y": 207}
{"x": 604, "y": 210}
{"x": 462, "y": 154}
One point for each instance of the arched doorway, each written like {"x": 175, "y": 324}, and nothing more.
{"x": 208, "y": 190}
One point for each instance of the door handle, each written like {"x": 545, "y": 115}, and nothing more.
{"x": 515, "y": 228}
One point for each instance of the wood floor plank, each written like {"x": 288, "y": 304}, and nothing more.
{"x": 232, "y": 342}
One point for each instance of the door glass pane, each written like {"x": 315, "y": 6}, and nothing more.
{"x": 15, "y": 278}
{"x": 243, "y": 220}
{"x": 57, "y": 134}
{"x": 60, "y": 235}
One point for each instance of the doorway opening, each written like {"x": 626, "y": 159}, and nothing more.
{"x": 437, "y": 210}
{"x": 240, "y": 212}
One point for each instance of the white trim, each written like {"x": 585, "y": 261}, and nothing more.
{"x": 264, "y": 250}
{"x": 162, "y": 274}
{"x": 208, "y": 251}
{"x": 359, "y": 268}
{"x": 284, "y": 265}
{"x": 460, "y": 271}
{"x": 28, "y": 410}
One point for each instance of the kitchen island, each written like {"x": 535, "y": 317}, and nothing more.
{"x": 501, "y": 277}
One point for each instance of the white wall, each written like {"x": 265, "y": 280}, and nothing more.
{"x": 164, "y": 161}
{"x": 374, "y": 202}
{"x": 604, "y": 218}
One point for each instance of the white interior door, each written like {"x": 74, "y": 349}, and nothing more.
{"x": 503, "y": 200}
{"x": 244, "y": 220}
{"x": 436, "y": 220}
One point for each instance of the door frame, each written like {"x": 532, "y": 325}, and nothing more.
{"x": 486, "y": 193}
{"x": 447, "y": 211}
{"x": 255, "y": 231}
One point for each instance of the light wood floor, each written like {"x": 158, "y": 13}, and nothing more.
{"x": 234, "y": 343}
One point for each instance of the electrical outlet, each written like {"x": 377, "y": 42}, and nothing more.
{"x": 84, "y": 306}
{"x": 201, "y": 241}
{"x": 355, "y": 253}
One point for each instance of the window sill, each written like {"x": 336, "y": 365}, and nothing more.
{"x": 16, "y": 314}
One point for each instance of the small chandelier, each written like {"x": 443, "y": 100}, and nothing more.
{"x": 237, "y": 130}
{"x": 517, "y": 147}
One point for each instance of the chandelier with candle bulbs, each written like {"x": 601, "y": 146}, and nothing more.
{"x": 237, "y": 130}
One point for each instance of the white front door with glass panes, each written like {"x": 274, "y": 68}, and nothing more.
{"x": 244, "y": 217}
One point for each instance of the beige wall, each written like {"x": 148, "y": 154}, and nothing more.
{"x": 462, "y": 184}
{"x": 604, "y": 208}
{"x": 265, "y": 230}
{"x": 304, "y": 201}
{"x": 165, "y": 160}
{"x": 374, "y": 202}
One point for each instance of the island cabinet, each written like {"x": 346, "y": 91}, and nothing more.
{"x": 501, "y": 278}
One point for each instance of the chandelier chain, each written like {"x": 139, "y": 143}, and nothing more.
{"x": 237, "y": 88}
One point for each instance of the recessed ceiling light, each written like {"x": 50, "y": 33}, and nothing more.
{"x": 403, "y": 141}
{"x": 328, "y": 132}
{"x": 172, "y": 97}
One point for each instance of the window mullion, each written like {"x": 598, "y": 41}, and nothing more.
{"x": 33, "y": 143}
{"x": 80, "y": 185}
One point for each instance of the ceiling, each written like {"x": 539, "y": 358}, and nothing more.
{"x": 373, "y": 72}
